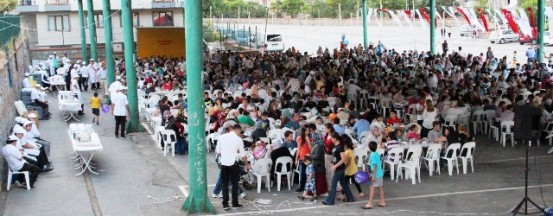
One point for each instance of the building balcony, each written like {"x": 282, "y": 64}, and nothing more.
{"x": 57, "y": 5}
{"x": 159, "y": 4}
{"x": 25, "y": 6}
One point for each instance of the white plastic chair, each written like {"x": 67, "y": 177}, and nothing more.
{"x": 411, "y": 164}
{"x": 394, "y": 157}
{"x": 469, "y": 149}
{"x": 433, "y": 157}
{"x": 385, "y": 106}
{"x": 284, "y": 162}
{"x": 361, "y": 157}
{"x": 262, "y": 168}
{"x": 549, "y": 130}
{"x": 25, "y": 173}
{"x": 453, "y": 148}
{"x": 477, "y": 121}
{"x": 450, "y": 120}
{"x": 170, "y": 140}
{"x": 488, "y": 119}
{"x": 506, "y": 132}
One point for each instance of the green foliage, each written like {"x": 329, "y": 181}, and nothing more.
{"x": 229, "y": 8}
{"x": 7, "y": 5}
{"x": 528, "y": 3}
{"x": 289, "y": 7}
{"x": 210, "y": 32}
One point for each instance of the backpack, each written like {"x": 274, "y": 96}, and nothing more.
{"x": 260, "y": 150}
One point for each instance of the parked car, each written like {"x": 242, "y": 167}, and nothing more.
{"x": 467, "y": 30}
{"x": 524, "y": 38}
{"x": 503, "y": 36}
{"x": 548, "y": 40}
{"x": 275, "y": 43}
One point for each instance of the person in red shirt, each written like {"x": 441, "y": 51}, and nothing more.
{"x": 393, "y": 119}
{"x": 167, "y": 85}
{"x": 304, "y": 148}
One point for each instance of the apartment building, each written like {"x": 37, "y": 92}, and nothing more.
{"x": 55, "y": 23}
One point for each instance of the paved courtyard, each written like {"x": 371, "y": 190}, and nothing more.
{"x": 136, "y": 179}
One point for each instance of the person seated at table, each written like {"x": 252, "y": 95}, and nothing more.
{"x": 393, "y": 119}
{"x": 374, "y": 136}
{"x": 464, "y": 134}
{"x": 38, "y": 97}
{"x": 16, "y": 162}
{"x": 289, "y": 141}
{"x": 244, "y": 118}
{"x": 167, "y": 84}
{"x": 379, "y": 121}
{"x": 294, "y": 124}
{"x": 279, "y": 149}
{"x": 177, "y": 124}
{"x": 320, "y": 125}
{"x": 337, "y": 127}
{"x": 435, "y": 135}
{"x": 360, "y": 126}
{"x": 413, "y": 133}
{"x": 40, "y": 160}
{"x": 273, "y": 111}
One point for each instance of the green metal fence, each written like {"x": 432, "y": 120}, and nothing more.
{"x": 9, "y": 28}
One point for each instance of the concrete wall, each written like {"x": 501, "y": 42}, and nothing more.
{"x": 73, "y": 53}
{"x": 14, "y": 63}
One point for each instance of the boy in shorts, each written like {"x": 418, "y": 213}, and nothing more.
{"x": 377, "y": 177}
{"x": 95, "y": 105}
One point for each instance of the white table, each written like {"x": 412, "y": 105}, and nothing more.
{"x": 58, "y": 86}
{"x": 69, "y": 107}
{"x": 85, "y": 150}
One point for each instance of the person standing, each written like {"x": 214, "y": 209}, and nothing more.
{"x": 339, "y": 169}
{"x": 230, "y": 152}
{"x": 445, "y": 48}
{"x": 85, "y": 74}
{"x": 102, "y": 75}
{"x": 377, "y": 177}
{"x": 120, "y": 109}
{"x": 304, "y": 148}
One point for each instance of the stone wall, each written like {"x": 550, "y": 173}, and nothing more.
{"x": 14, "y": 57}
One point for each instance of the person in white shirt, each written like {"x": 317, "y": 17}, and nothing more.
{"x": 120, "y": 109}
{"x": 32, "y": 134}
{"x": 39, "y": 99}
{"x": 14, "y": 157}
{"x": 44, "y": 78}
{"x": 114, "y": 87}
{"x": 26, "y": 81}
{"x": 85, "y": 74}
{"x": 102, "y": 75}
{"x": 93, "y": 69}
{"x": 33, "y": 154}
{"x": 230, "y": 147}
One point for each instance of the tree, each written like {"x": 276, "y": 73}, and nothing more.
{"x": 290, "y": 7}
{"x": 7, "y": 5}
{"x": 528, "y": 4}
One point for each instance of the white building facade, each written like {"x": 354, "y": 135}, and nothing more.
{"x": 54, "y": 23}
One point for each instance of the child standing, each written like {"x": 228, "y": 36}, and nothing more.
{"x": 95, "y": 105}
{"x": 351, "y": 169}
{"x": 309, "y": 190}
{"x": 376, "y": 177}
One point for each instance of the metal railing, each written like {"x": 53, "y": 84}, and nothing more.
{"x": 57, "y": 2}
{"x": 9, "y": 28}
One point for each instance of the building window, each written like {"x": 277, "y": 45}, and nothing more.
{"x": 57, "y": 2}
{"x": 58, "y": 23}
{"x": 163, "y": 18}
{"x": 99, "y": 20}
{"x": 135, "y": 20}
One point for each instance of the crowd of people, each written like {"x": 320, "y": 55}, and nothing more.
{"x": 320, "y": 97}
{"x": 329, "y": 103}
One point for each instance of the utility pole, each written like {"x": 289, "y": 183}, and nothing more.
{"x": 541, "y": 28}
{"x": 197, "y": 201}
{"x": 110, "y": 64}
{"x": 128, "y": 42}
{"x": 365, "y": 30}
{"x": 81, "y": 29}
{"x": 433, "y": 26}
{"x": 92, "y": 31}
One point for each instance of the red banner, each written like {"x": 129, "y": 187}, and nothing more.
{"x": 408, "y": 12}
{"x": 426, "y": 17}
{"x": 464, "y": 14}
{"x": 484, "y": 20}
{"x": 533, "y": 23}
{"x": 510, "y": 20}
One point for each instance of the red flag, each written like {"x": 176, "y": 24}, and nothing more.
{"x": 483, "y": 17}
{"x": 464, "y": 14}
{"x": 510, "y": 20}
{"x": 533, "y": 22}
{"x": 426, "y": 17}
{"x": 408, "y": 12}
